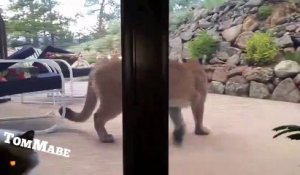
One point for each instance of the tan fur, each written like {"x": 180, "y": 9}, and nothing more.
{"x": 188, "y": 87}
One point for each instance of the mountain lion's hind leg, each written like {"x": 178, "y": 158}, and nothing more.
{"x": 179, "y": 130}
{"x": 198, "y": 111}
{"x": 101, "y": 117}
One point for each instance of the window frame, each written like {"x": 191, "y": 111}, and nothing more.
{"x": 145, "y": 75}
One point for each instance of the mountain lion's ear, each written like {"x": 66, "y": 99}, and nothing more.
{"x": 29, "y": 135}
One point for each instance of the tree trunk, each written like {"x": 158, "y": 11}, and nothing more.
{"x": 52, "y": 39}
{"x": 101, "y": 29}
{"x": 51, "y": 22}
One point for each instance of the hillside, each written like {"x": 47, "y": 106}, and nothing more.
{"x": 230, "y": 68}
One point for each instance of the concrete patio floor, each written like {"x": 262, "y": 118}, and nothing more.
{"x": 240, "y": 143}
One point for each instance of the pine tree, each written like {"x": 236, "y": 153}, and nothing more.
{"x": 36, "y": 20}
{"x": 106, "y": 11}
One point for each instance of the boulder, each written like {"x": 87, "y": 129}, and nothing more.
{"x": 222, "y": 56}
{"x": 220, "y": 74}
{"x": 253, "y": 10}
{"x": 297, "y": 80}
{"x": 199, "y": 13}
{"x": 187, "y": 35}
{"x": 287, "y": 68}
{"x": 289, "y": 49}
{"x": 239, "y": 20}
{"x": 242, "y": 39}
{"x": 245, "y": 10}
{"x": 225, "y": 25}
{"x": 216, "y": 87}
{"x": 215, "y": 60}
{"x": 233, "y": 60}
{"x": 286, "y": 91}
{"x": 250, "y": 24}
{"x": 253, "y": 3}
{"x": 237, "y": 79}
{"x": 276, "y": 81}
{"x": 232, "y": 33}
{"x": 224, "y": 46}
{"x": 204, "y": 24}
{"x": 194, "y": 26}
{"x": 258, "y": 74}
{"x": 176, "y": 42}
{"x": 291, "y": 28}
{"x": 232, "y": 51}
{"x": 237, "y": 89}
{"x": 175, "y": 48}
{"x": 284, "y": 41}
{"x": 278, "y": 17}
{"x": 237, "y": 71}
{"x": 259, "y": 90}
{"x": 214, "y": 17}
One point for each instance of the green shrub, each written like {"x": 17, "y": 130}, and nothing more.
{"x": 204, "y": 44}
{"x": 264, "y": 12}
{"x": 294, "y": 56}
{"x": 261, "y": 49}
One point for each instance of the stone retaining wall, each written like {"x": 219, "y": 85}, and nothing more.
{"x": 279, "y": 83}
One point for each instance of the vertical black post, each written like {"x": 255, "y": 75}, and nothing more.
{"x": 145, "y": 86}
{"x": 3, "y": 44}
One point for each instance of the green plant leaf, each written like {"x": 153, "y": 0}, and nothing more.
{"x": 294, "y": 136}
{"x": 286, "y": 127}
{"x": 204, "y": 44}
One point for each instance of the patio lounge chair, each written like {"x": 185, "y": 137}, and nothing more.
{"x": 18, "y": 55}
{"x": 42, "y": 82}
{"x": 75, "y": 72}
{"x": 70, "y": 73}
{"x": 65, "y": 66}
{"x": 53, "y": 80}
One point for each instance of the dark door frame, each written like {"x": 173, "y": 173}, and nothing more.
{"x": 145, "y": 39}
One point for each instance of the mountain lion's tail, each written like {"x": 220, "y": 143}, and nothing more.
{"x": 89, "y": 106}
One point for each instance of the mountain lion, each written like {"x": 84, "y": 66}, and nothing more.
{"x": 187, "y": 87}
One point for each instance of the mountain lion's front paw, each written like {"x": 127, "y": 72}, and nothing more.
{"x": 107, "y": 138}
{"x": 178, "y": 135}
{"x": 202, "y": 131}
